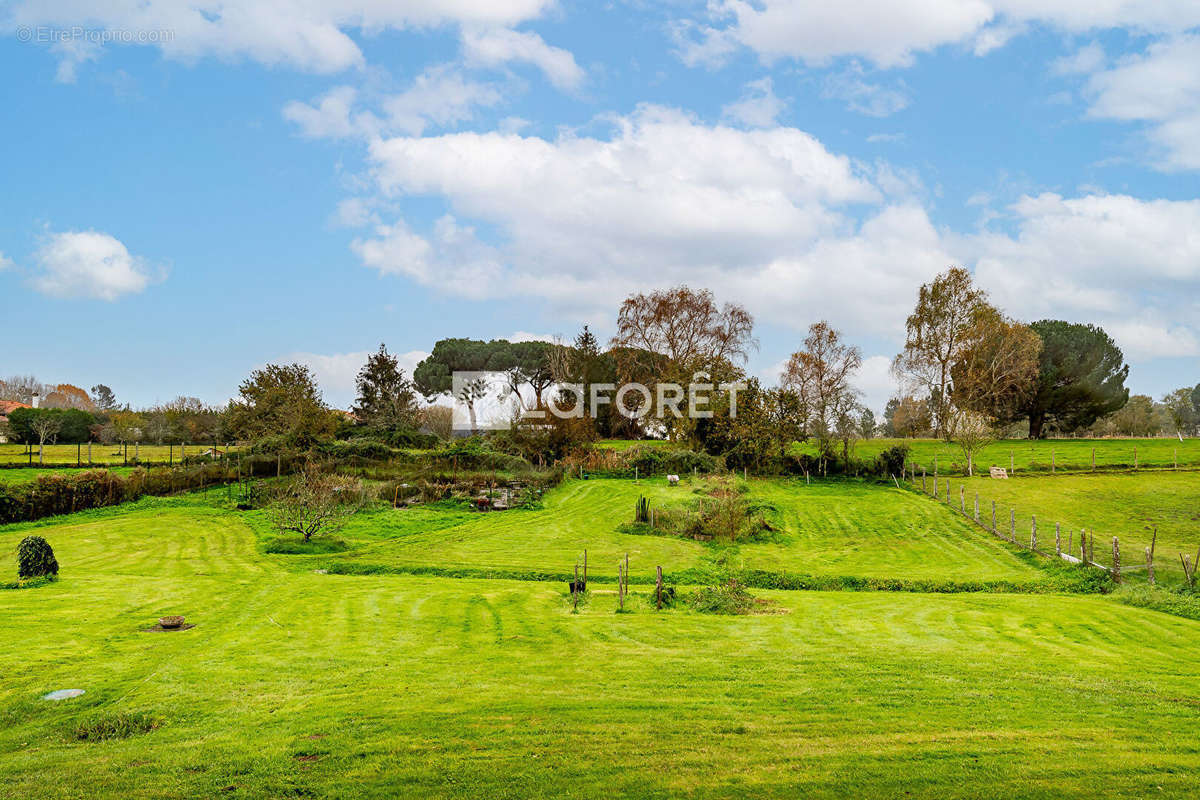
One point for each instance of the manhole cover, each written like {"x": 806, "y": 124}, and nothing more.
{"x": 62, "y": 694}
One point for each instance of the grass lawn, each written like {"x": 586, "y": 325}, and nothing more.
{"x": 835, "y": 528}
{"x": 70, "y": 455}
{"x": 25, "y": 475}
{"x": 1128, "y": 506}
{"x": 295, "y": 683}
{"x": 1026, "y": 455}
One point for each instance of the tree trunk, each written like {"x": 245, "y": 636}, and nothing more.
{"x": 1037, "y": 421}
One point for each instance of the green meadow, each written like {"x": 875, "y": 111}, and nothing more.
{"x": 297, "y": 681}
{"x": 1041, "y": 455}
{"x": 71, "y": 455}
{"x": 1128, "y": 506}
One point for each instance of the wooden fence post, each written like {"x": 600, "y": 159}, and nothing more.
{"x": 1149, "y": 567}
{"x": 1058, "y": 540}
{"x": 1033, "y": 534}
{"x": 1093, "y": 459}
{"x": 1012, "y": 525}
{"x": 947, "y": 491}
{"x": 658, "y": 588}
{"x": 993, "y": 516}
{"x": 1052, "y": 460}
{"x": 922, "y": 479}
{"x": 1116, "y": 565}
{"x": 962, "y": 499}
{"x": 1083, "y": 559}
{"x": 1135, "y": 456}
{"x": 1011, "y": 468}
{"x": 977, "y": 507}
{"x": 936, "y": 493}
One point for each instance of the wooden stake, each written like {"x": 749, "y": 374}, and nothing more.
{"x": 993, "y": 516}
{"x": 1012, "y": 525}
{"x": 658, "y": 589}
{"x": 1033, "y": 534}
{"x": 962, "y": 498}
{"x": 1093, "y": 459}
{"x": 1116, "y": 564}
{"x": 1057, "y": 540}
{"x": 1149, "y": 567}
{"x": 977, "y": 506}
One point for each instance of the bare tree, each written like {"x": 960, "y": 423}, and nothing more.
{"x": 937, "y": 332}
{"x": 972, "y": 432}
{"x": 46, "y": 426}
{"x": 687, "y": 327}
{"x": 820, "y": 375}
{"x": 315, "y": 503}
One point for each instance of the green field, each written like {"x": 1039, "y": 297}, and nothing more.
{"x": 1127, "y": 506}
{"x": 832, "y": 528}
{"x": 70, "y": 455}
{"x": 1038, "y": 455}
{"x": 297, "y": 683}
{"x": 25, "y": 474}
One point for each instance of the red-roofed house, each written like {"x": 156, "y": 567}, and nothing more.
{"x": 6, "y": 408}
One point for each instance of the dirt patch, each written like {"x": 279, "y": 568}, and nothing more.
{"x": 161, "y": 629}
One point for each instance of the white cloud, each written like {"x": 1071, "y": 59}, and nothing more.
{"x": 88, "y": 264}
{"x": 862, "y": 96}
{"x": 874, "y": 379}
{"x": 764, "y": 216}
{"x": 5, "y": 262}
{"x": 336, "y": 373}
{"x": 500, "y": 46}
{"x": 879, "y": 138}
{"x": 890, "y": 32}
{"x": 309, "y": 35}
{"x": 526, "y": 336}
{"x": 1083, "y": 61}
{"x": 330, "y": 118}
{"x": 1161, "y": 88}
{"x": 758, "y": 106}
{"x": 440, "y": 97}
{"x": 1145, "y": 340}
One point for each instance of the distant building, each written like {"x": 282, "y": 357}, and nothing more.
{"x": 6, "y": 408}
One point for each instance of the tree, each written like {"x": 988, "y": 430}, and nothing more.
{"x": 104, "y": 398}
{"x": 66, "y": 395}
{"x": 888, "y": 427}
{"x": 1181, "y": 411}
{"x": 820, "y": 375}
{"x": 22, "y": 388}
{"x": 1196, "y": 400}
{"x": 936, "y": 334}
{"x": 281, "y": 400}
{"x": 866, "y": 423}
{"x": 1081, "y": 377}
{"x": 973, "y": 432}
{"x": 669, "y": 336}
{"x": 912, "y": 417}
{"x": 1136, "y": 417}
{"x": 997, "y": 368}
{"x": 386, "y": 399}
{"x": 315, "y": 503}
{"x": 687, "y": 327}
{"x": 527, "y": 363}
{"x": 45, "y": 427}
{"x": 435, "y": 375}
{"x": 73, "y": 425}
{"x": 35, "y": 558}
{"x": 438, "y": 420}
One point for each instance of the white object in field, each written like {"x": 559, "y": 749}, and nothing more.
{"x": 999, "y": 472}
{"x": 62, "y": 694}
{"x": 672, "y": 479}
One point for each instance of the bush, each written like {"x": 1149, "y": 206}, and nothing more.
{"x": 724, "y": 598}
{"x": 35, "y": 558}
{"x": 892, "y": 460}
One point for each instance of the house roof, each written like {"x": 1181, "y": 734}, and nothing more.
{"x": 8, "y": 406}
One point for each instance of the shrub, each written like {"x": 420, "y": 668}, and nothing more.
{"x": 724, "y": 598}
{"x": 891, "y": 461}
{"x": 642, "y": 512}
{"x": 35, "y": 558}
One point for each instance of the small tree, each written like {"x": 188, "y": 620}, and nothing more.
{"x": 35, "y": 558}
{"x": 45, "y": 427}
{"x": 315, "y": 503}
{"x": 972, "y": 432}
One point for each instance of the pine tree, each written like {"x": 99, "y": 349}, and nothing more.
{"x": 386, "y": 399}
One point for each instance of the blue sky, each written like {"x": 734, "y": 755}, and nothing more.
{"x": 193, "y": 189}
